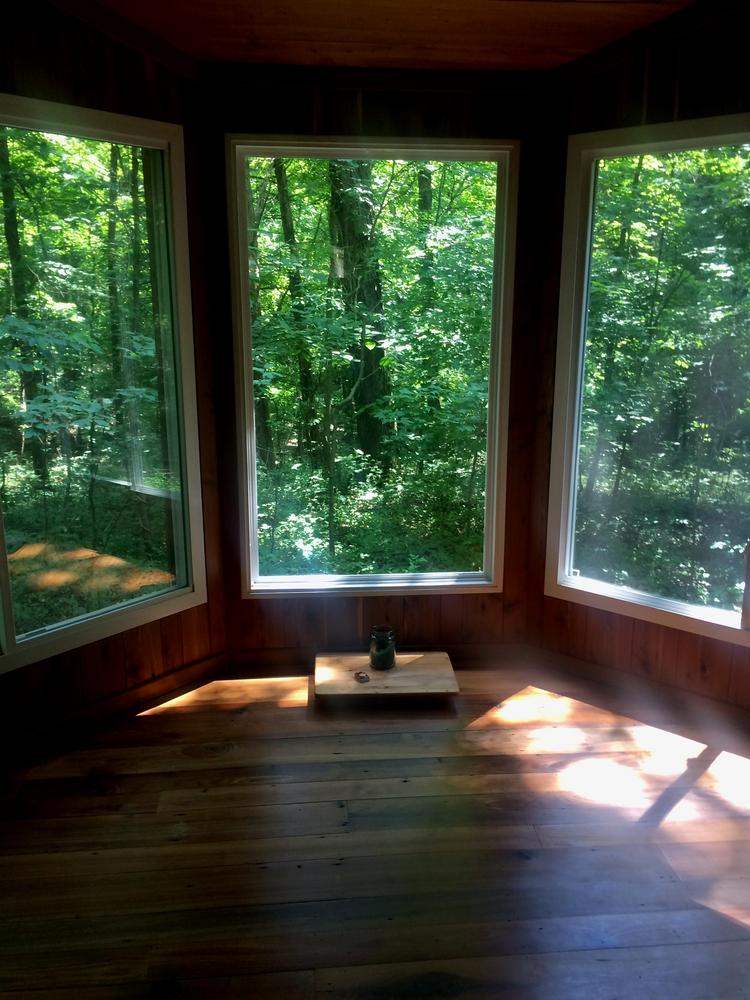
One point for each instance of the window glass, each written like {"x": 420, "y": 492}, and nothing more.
{"x": 371, "y": 305}
{"x": 90, "y": 465}
{"x": 662, "y": 478}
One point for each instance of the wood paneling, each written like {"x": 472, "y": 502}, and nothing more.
{"x": 694, "y": 63}
{"x": 647, "y": 78}
{"x": 295, "y": 628}
{"x": 276, "y": 633}
{"x": 688, "y": 67}
{"x": 428, "y": 34}
{"x": 47, "y": 55}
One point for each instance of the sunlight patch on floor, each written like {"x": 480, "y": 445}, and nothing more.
{"x": 530, "y": 705}
{"x": 664, "y": 753}
{"x": 556, "y": 739}
{"x": 296, "y": 698}
{"x": 645, "y": 773}
{"x": 687, "y": 810}
{"x": 606, "y": 783}
{"x": 235, "y": 694}
{"x": 729, "y": 779}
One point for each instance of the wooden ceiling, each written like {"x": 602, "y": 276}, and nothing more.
{"x": 419, "y": 34}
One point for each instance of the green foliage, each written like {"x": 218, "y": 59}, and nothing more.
{"x": 664, "y": 464}
{"x": 371, "y": 304}
{"x": 82, "y": 400}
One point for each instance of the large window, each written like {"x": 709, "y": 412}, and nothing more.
{"x": 94, "y": 474}
{"x": 371, "y": 298}
{"x": 651, "y": 496}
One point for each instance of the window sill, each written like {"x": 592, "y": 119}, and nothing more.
{"x": 70, "y": 636}
{"x": 712, "y": 622}
{"x": 377, "y": 585}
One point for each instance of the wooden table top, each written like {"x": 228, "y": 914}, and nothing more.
{"x": 414, "y": 674}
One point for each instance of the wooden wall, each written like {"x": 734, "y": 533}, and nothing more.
{"x": 282, "y": 633}
{"x": 47, "y": 54}
{"x": 692, "y": 66}
{"x": 688, "y": 66}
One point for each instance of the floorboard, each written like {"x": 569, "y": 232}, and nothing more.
{"x": 545, "y": 835}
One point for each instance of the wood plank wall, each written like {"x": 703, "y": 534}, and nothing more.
{"x": 282, "y": 633}
{"x": 687, "y": 67}
{"x": 692, "y": 66}
{"x": 47, "y": 54}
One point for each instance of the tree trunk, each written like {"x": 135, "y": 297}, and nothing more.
{"x": 624, "y": 443}
{"x": 424, "y": 207}
{"x": 608, "y": 367}
{"x": 135, "y": 449}
{"x": 306, "y": 416}
{"x": 161, "y": 320}
{"x": 126, "y": 412}
{"x": 654, "y": 310}
{"x": 22, "y": 281}
{"x": 357, "y": 270}
{"x": 593, "y": 469}
{"x": 113, "y": 298}
{"x": 151, "y": 167}
{"x": 114, "y": 318}
{"x": 328, "y": 449}
{"x": 262, "y": 412}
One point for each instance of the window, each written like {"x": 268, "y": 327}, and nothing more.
{"x": 370, "y": 282}
{"x": 97, "y": 423}
{"x": 650, "y": 496}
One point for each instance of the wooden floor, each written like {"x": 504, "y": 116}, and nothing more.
{"x": 546, "y": 836}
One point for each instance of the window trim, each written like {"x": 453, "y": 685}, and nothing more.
{"x": 583, "y": 152}
{"x": 49, "y": 116}
{"x": 490, "y": 578}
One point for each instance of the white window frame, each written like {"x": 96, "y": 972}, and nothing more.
{"x": 583, "y": 153}
{"x": 490, "y": 578}
{"x": 86, "y": 123}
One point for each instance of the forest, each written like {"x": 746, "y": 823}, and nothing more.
{"x": 89, "y": 458}
{"x": 663, "y": 479}
{"x": 371, "y": 301}
{"x": 370, "y": 286}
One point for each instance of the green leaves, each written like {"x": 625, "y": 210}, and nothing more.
{"x": 410, "y": 311}
{"x": 86, "y": 374}
{"x": 664, "y": 460}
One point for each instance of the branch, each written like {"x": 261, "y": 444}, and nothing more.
{"x": 379, "y": 212}
{"x": 360, "y": 377}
